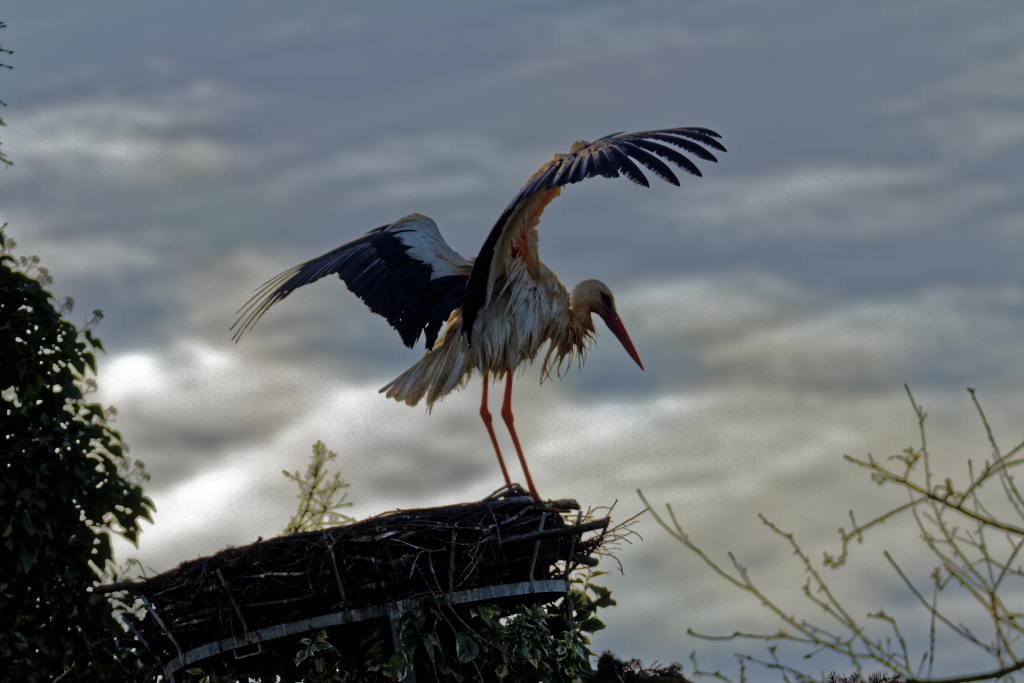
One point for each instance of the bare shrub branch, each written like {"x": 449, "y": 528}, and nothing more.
{"x": 977, "y": 551}
{"x": 320, "y": 498}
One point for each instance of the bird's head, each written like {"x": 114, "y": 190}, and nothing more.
{"x": 593, "y": 296}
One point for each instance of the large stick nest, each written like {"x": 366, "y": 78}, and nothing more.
{"x": 397, "y": 555}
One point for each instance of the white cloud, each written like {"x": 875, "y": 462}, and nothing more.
{"x": 99, "y": 258}
{"x": 830, "y": 203}
{"x": 122, "y": 140}
{"x": 132, "y": 375}
{"x": 711, "y": 307}
{"x": 431, "y": 165}
{"x": 756, "y": 328}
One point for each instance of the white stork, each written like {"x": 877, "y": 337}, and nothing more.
{"x": 504, "y": 305}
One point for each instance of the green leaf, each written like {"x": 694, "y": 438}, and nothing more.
{"x": 400, "y": 665}
{"x": 429, "y": 644}
{"x": 487, "y": 614}
{"x": 466, "y": 648}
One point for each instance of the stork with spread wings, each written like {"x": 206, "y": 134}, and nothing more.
{"x": 502, "y": 307}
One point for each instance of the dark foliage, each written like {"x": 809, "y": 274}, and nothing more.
{"x": 873, "y": 678}
{"x": 64, "y": 489}
{"x": 439, "y": 642}
{"x": 611, "y": 669}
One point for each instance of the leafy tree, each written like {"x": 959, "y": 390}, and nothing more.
{"x": 67, "y": 483}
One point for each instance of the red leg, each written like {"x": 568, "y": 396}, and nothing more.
{"x": 486, "y": 415}
{"x": 506, "y": 414}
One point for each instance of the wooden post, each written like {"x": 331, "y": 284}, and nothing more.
{"x": 536, "y": 546}
{"x": 238, "y": 612}
{"x": 337, "y": 577}
{"x": 451, "y": 563}
{"x": 395, "y": 613}
{"x": 569, "y": 611}
{"x": 167, "y": 631}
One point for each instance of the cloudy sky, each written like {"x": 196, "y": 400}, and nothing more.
{"x": 865, "y": 229}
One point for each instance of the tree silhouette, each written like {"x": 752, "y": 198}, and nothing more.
{"x": 67, "y": 484}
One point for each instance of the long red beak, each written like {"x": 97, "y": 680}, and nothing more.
{"x": 619, "y": 330}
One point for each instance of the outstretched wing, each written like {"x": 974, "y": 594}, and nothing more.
{"x": 404, "y": 271}
{"x": 514, "y": 235}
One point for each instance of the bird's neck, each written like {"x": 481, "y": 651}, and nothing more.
{"x": 571, "y": 341}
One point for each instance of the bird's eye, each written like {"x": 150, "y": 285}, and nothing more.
{"x": 606, "y": 300}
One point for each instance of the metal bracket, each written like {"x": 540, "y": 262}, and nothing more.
{"x": 546, "y": 589}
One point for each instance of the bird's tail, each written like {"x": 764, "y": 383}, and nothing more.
{"x": 442, "y": 370}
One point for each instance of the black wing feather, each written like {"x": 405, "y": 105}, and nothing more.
{"x": 681, "y": 142}
{"x": 652, "y": 162}
{"x": 626, "y": 166}
{"x": 607, "y": 156}
{"x": 564, "y": 172}
{"x": 379, "y": 270}
{"x": 579, "y": 168}
{"x": 702, "y": 135}
{"x": 670, "y": 155}
{"x": 606, "y": 165}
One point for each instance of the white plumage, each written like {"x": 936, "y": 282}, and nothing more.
{"x": 526, "y": 314}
